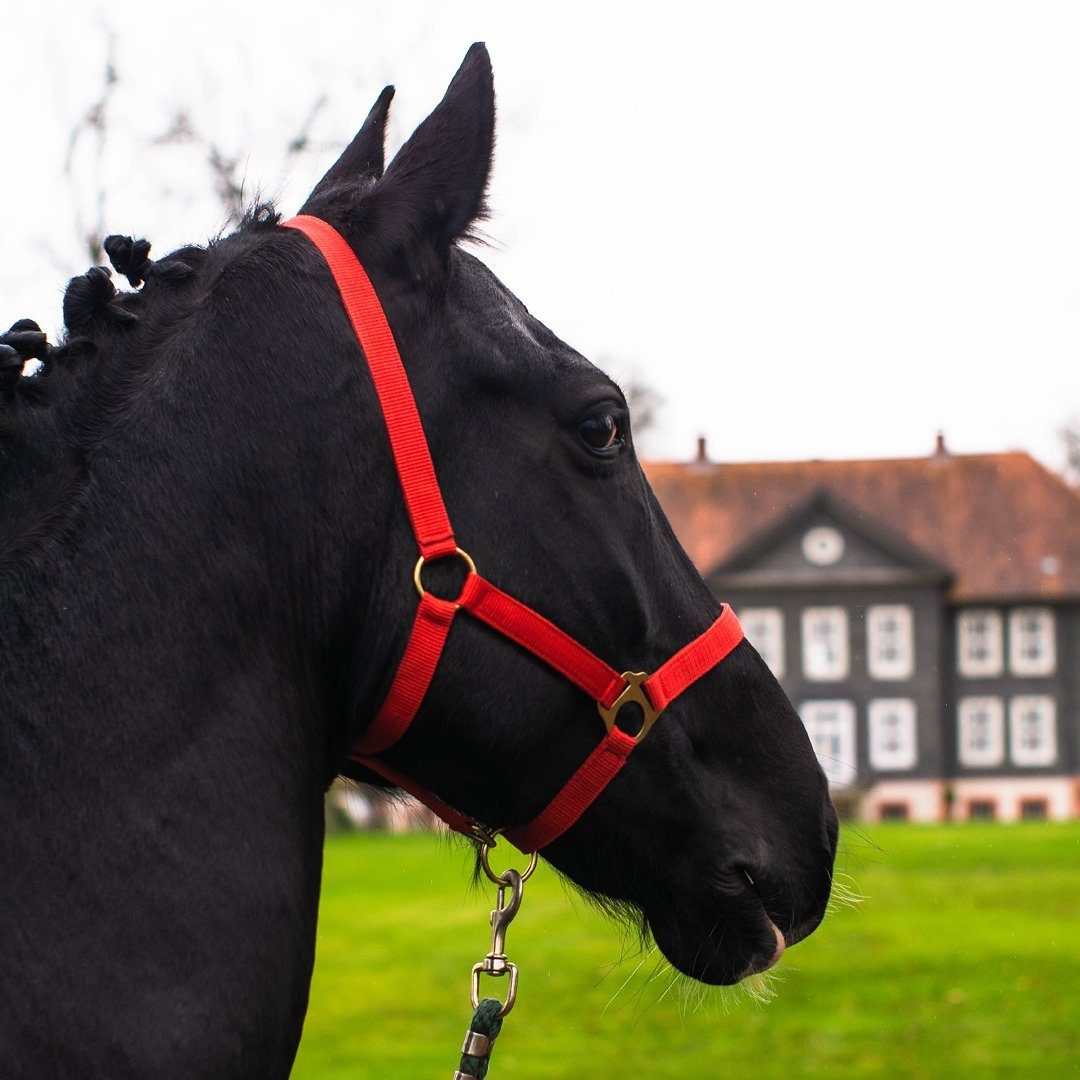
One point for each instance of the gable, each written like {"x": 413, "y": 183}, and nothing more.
{"x": 825, "y": 541}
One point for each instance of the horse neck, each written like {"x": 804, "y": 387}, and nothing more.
{"x": 163, "y": 755}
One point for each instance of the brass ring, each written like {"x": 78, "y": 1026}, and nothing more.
{"x": 464, "y": 555}
{"x": 500, "y": 879}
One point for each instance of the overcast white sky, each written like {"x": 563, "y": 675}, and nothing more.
{"x": 819, "y": 230}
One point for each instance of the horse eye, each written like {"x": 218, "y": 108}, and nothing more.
{"x": 601, "y": 432}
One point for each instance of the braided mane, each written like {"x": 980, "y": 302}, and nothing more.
{"x": 57, "y": 402}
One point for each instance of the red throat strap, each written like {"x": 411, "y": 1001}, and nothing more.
{"x": 479, "y": 598}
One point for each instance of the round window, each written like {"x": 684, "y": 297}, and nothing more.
{"x": 823, "y": 545}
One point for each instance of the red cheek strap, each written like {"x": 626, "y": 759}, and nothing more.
{"x": 693, "y": 660}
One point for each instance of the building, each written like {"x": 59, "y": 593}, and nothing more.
{"x": 923, "y": 614}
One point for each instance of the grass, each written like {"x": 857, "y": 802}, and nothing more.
{"x": 963, "y": 961}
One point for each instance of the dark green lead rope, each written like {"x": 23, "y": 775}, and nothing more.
{"x": 476, "y": 1053}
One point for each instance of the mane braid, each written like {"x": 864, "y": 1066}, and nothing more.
{"x": 129, "y": 257}
{"x": 11, "y": 369}
{"x": 22, "y": 344}
{"x": 262, "y": 214}
{"x": 91, "y": 298}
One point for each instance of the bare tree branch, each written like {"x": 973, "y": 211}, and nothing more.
{"x": 93, "y": 127}
{"x": 645, "y": 403}
{"x": 301, "y": 141}
{"x": 227, "y": 169}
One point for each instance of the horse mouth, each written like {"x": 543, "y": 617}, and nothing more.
{"x": 720, "y": 945}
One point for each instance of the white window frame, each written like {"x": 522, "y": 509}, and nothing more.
{"x": 883, "y": 756}
{"x": 966, "y": 634}
{"x": 817, "y": 667}
{"x": 1043, "y": 659}
{"x": 1044, "y": 708}
{"x": 764, "y": 627}
{"x": 901, "y": 666}
{"x": 831, "y": 728}
{"x": 994, "y": 752}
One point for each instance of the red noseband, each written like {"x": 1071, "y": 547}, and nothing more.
{"x": 482, "y": 600}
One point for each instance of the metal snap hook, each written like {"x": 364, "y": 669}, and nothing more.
{"x": 496, "y": 963}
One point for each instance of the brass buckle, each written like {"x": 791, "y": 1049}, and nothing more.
{"x": 463, "y": 555}
{"x": 635, "y": 691}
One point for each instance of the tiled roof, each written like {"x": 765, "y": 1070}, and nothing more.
{"x": 1007, "y": 527}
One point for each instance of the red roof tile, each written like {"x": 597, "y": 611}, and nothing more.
{"x": 1007, "y": 527}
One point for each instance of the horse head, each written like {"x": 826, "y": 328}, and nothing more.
{"x": 719, "y": 833}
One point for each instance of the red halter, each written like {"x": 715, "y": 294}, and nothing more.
{"x": 484, "y": 601}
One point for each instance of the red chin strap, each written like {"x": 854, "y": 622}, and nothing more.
{"x": 483, "y": 601}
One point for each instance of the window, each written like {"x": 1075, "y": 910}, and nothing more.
{"x": 825, "y": 643}
{"x": 894, "y": 811}
{"x": 892, "y": 733}
{"x": 890, "y": 647}
{"x": 831, "y": 727}
{"x": 1034, "y": 810}
{"x": 823, "y": 545}
{"x": 981, "y": 732}
{"x": 978, "y": 642}
{"x": 1032, "y": 734}
{"x": 765, "y": 629}
{"x": 1031, "y": 641}
{"x": 982, "y": 810}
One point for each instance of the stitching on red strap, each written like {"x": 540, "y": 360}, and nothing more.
{"x": 411, "y": 455}
{"x": 577, "y": 794}
{"x": 542, "y": 638}
{"x": 694, "y": 660}
{"x": 412, "y": 678}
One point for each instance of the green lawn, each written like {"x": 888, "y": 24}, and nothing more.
{"x": 963, "y": 961}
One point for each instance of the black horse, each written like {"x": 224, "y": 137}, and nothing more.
{"x": 205, "y": 589}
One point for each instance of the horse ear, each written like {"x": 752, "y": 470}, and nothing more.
{"x": 363, "y": 158}
{"x": 434, "y": 188}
